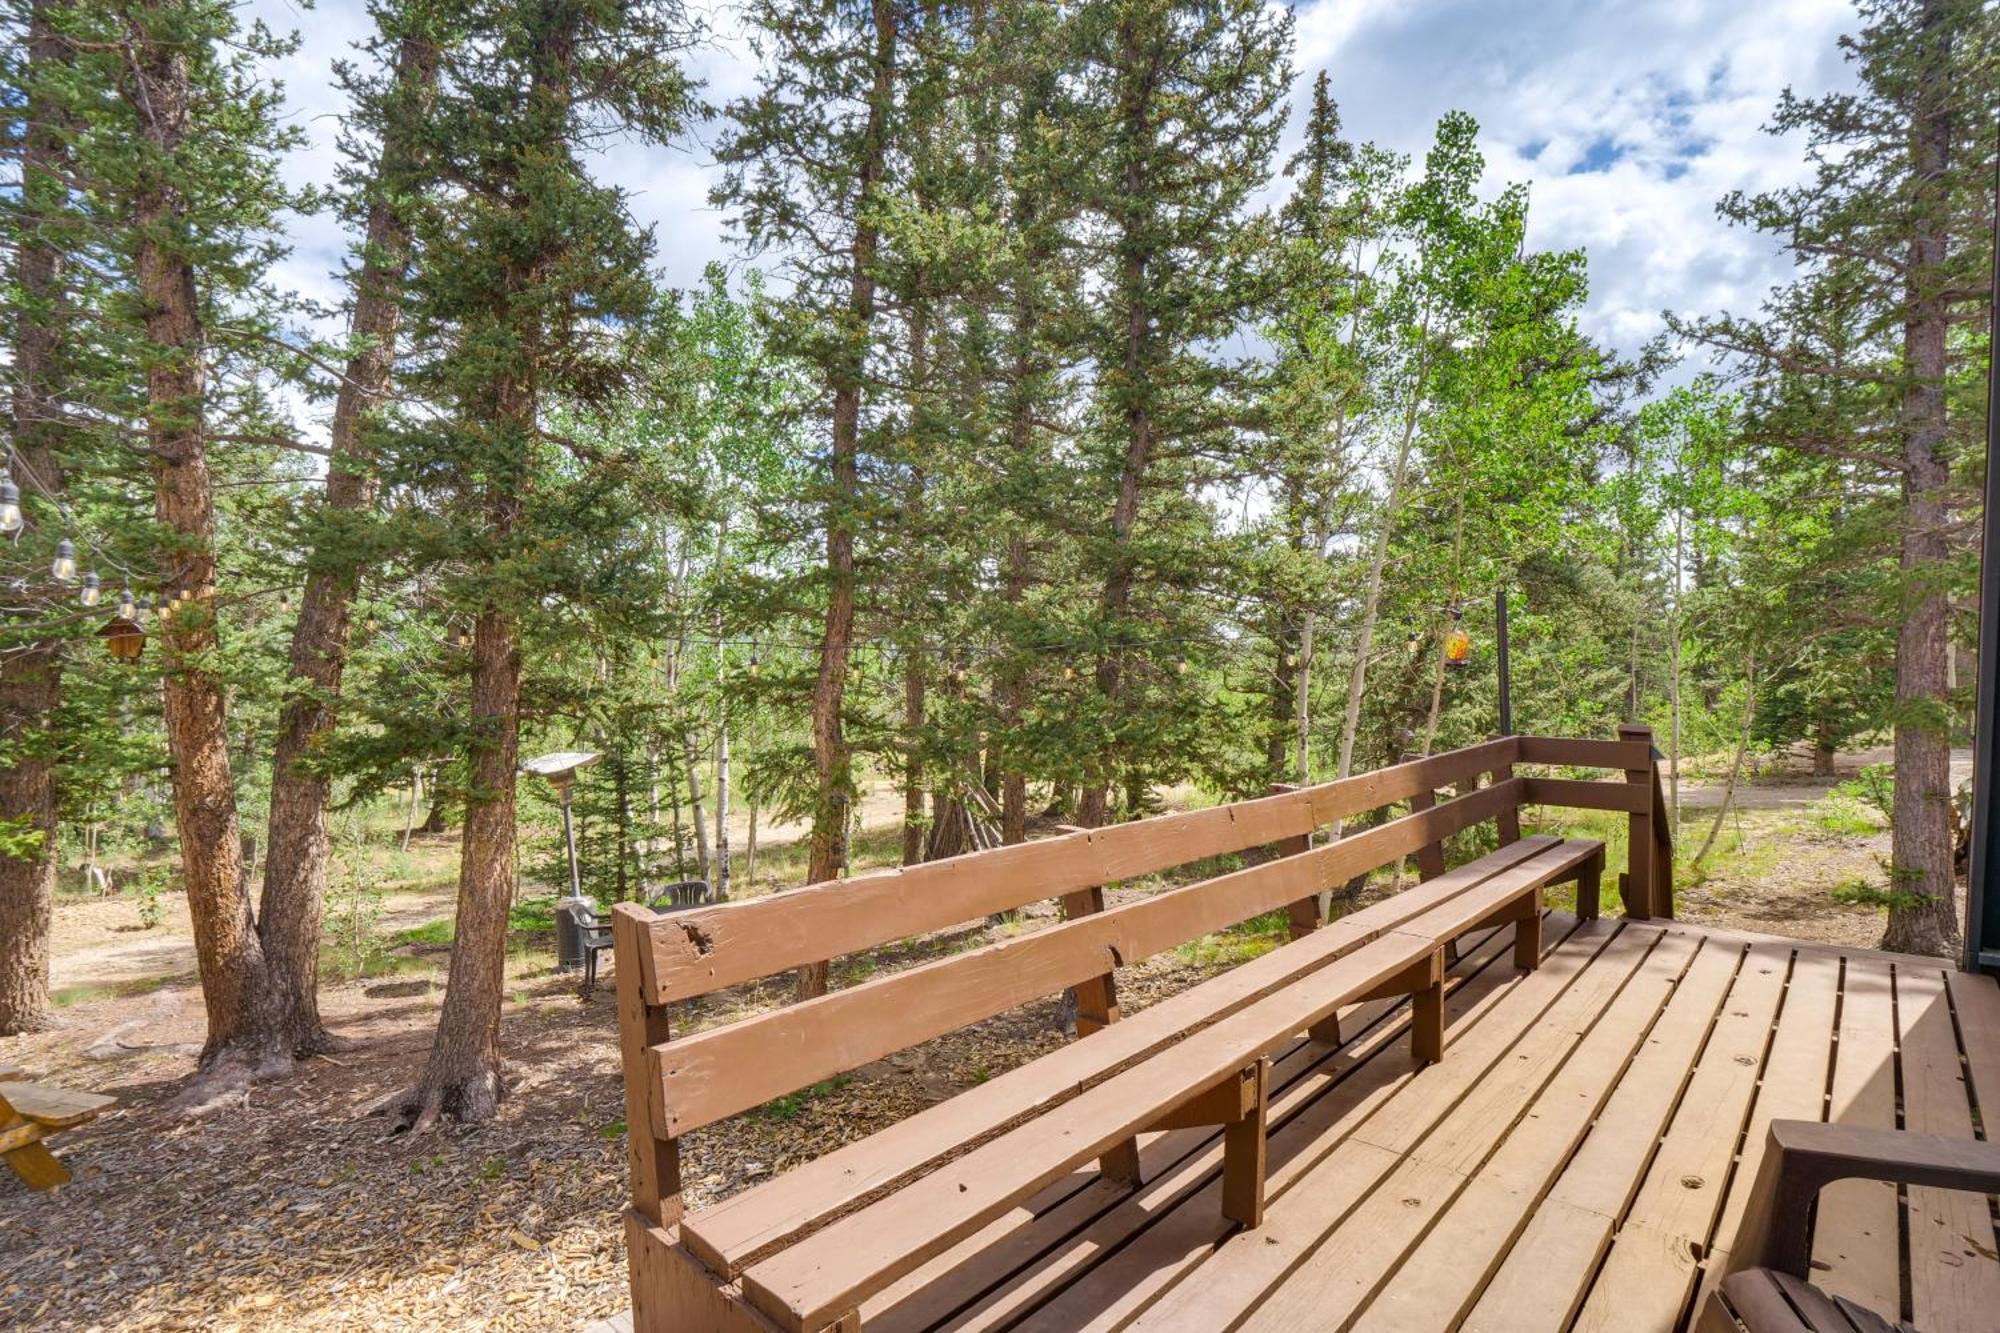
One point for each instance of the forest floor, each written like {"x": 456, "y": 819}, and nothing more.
{"x": 297, "y": 1209}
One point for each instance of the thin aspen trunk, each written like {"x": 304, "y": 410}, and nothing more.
{"x": 722, "y": 799}
{"x": 750, "y": 849}
{"x": 914, "y": 838}
{"x": 696, "y": 815}
{"x": 1675, "y": 629}
{"x": 1736, "y": 764}
{"x": 416, "y": 804}
{"x": 1371, "y": 602}
{"x": 1302, "y": 688}
{"x": 827, "y": 852}
{"x": 1438, "y": 668}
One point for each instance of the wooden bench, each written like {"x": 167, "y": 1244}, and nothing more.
{"x": 806, "y": 1250}
{"x": 29, "y": 1113}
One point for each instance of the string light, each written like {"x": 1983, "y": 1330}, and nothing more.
{"x": 63, "y": 567}
{"x": 753, "y": 666}
{"x": 284, "y": 601}
{"x": 10, "y": 505}
{"x": 1180, "y": 667}
{"x": 127, "y": 608}
{"x": 93, "y": 589}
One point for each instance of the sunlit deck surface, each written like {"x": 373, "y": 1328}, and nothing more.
{"x": 1580, "y": 1157}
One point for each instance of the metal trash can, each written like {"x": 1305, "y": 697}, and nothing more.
{"x": 569, "y": 939}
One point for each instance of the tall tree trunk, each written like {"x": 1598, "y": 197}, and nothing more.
{"x": 691, "y": 757}
{"x": 463, "y": 1076}
{"x": 1371, "y": 599}
{"x": 31, "y": 676}
{"x": 721, "y": 781}
{"x": 1302, "y": 698}
{"x": 245, "y": 1040}
{"x": 294, "y": 900}
{"x": 827, "y": 851}
{"x": 1134, "y": 291}
{"x": 913, "y": 760}
{"x": 1923, "y": 915}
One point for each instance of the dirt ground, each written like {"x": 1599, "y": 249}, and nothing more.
{"x": 298, "y": 1210}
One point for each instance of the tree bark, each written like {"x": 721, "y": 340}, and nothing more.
{"x": 294, "y": 900}
{"x": 31, "y": 676}
{"x": 827, "y": 851}
{"x": 463, "y": 1076}
{"x": 1923, "y": 916}
{"x": 244, "y": 1038}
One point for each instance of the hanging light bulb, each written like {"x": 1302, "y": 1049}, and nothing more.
{"x": 1180, "y": 667}
{"x": 10, "y": 506}
{"x": 64, "y": 565}
{"x": 128, "y": 609}
{"x": 753, "y": 666}
{"x": 464, "y": 637}
{"x": 284, "y": 601}
{"x": 1069, "y": 673}
{"x": 93, "y": 589}
{"x": 958, "y": 673}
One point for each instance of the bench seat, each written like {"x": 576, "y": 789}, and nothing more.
{"x": 1204, "y": 1039}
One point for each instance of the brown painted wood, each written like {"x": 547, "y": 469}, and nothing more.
{"x": 725, "y": 1070}
{"x": 835, "y": 1268}
{"x": 1253, "y": 1272}
{"x": 1542, "y": 1280}
{"x": 1954, "y": 1261}
{"x": 1430, "y": 856}
{"x": 1652, "y": 1262}
{"x": 752, "y": 1224}
{"x": 1097, "y": 1009}
{"x": 1243, "y": 1149}
{"x": 1436, "y": 1282}
{"x": 711, "y": 947}
{"x": 673, "y": 1293}
{"x": 653, "y": 1160}
{"x": 1579, "y": 795}
{"x": 1304, "y": 916}
{"x": 1101, "y": 1274}
{"x": 1582, "y": 752}
{"x": 1355, "y": 1259}
{"x": 1791, "y": 1086}
{"x": 1855, "y": 1245}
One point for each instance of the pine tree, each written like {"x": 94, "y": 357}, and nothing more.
{"x": 1854, "y": 360}
{"x": 1187, "y": 102}
{"x": 807, "y": 160}
{"x": 295, "y": 864}
{"x": 533, "y": 291}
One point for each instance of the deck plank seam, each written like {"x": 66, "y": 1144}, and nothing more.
{"x": 1665, "y": 1127}
{"x": 1525, "y": 1216}
{"x": 1528, "y": 1102}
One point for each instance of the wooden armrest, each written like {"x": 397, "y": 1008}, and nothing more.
{"x": 1801, "y": 1157}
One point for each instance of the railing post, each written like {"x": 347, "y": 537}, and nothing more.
{"x": 1508, "y": 821}
{"x": 1430, "y": 856}
{"x": 1097, "y": 1009}
{"x": 1639, "y": 883}
{"x": 655, "y": 1162}
{"x": 1307, "y": 914}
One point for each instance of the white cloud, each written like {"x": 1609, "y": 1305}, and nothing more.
{"x": 1665, "y": 98}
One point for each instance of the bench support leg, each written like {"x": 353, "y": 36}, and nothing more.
{"x": 1243, "y": 1155}
{"x": 1589, "y": 884}
{"x": 1427, "y": 1017}
{"x": 1097, "y": 1009}
{"x": 1528, "y": 937}
{"x": 1327, "y": 1031}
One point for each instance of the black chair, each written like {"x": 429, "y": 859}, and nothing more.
{"x": 679, "y": 897}
{"x": 593, "y": 933}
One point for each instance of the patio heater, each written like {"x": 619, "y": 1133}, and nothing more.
{"x": 561, "y": 769}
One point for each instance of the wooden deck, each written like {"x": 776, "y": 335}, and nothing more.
{"x": 1579, "y": 1158}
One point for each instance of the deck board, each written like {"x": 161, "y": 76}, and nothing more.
{"x": 1581, "y": 1157}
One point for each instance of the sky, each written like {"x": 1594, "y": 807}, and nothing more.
{"x": 1628, "y": 118}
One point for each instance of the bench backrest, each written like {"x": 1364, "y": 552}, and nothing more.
{"x": 680, "y": 1085}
